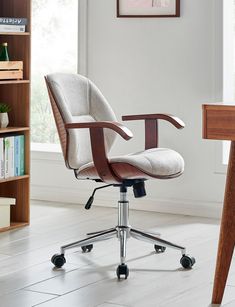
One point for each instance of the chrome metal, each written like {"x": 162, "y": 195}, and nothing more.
{"x": 123, "y": 231}
{"x": 153, "y": 233}
{"x": 123, "y": 210}
{"x": 142, "y": 236}
{"x": 96, "y": 238}
{"x": 123, "y": 196}
{"x": 97, "y": 232}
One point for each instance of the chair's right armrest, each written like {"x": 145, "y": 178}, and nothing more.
{"x": 151, "y": 125}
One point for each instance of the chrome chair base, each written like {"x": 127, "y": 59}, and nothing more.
{"x": 123, "y": 231}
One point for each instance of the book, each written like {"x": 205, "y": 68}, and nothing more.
{"x": 2, "y": 172}
{"x": 17, "y": 155}
{"x": 11, "y": 28}
{"x": 21, "y": 155}
{"x": 9, "y": 156}
{"x": 13, "y": 21}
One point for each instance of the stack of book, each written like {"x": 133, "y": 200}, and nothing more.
{"x": 12, "y": 156}
{"x": 9, "y": 24}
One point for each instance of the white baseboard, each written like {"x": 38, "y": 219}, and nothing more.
{"x": 108, "y": 199}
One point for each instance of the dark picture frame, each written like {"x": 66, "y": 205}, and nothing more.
{"x": 126, "y": 15}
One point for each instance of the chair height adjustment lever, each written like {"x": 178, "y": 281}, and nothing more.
{"x": 91, "y": 198}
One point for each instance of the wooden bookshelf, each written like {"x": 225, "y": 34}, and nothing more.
{"x": 16, "y": 93}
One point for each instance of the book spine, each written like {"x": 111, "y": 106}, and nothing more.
{"x": 22, "y": 153}
{"x": 11, "y": 28}
{"x": 2, "y": 175}
{"x": 13, "y": 21}
{"x": 6, "y": 156}
{"x": 11, "y": 158}
{"x": 16, "y": 156}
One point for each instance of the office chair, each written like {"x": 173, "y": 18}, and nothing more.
{"x": 87, "y": 129}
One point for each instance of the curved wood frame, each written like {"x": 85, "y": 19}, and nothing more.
{"x": 99, "y": 154}
{"x": 60, "y": 122}
{"x": 151, "y": 126}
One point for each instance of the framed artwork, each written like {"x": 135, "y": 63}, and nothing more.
{"x": 148, "y": 8}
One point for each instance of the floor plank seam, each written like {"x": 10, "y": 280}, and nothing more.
{"x": 66, "y": 293}
{"x": 114, "y": 304}
{"x": 44, "y": 280}
{"x": 51, "y": 299}
{"x": 54, "y": 298}
{"x": 41, "y": 292}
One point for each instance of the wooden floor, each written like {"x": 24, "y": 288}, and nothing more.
{"x": 27, "y": 277}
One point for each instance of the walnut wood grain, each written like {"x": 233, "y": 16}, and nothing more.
{"x": 115, "y": 126}
{"x": 99, "y": 154}
{"x": 124, "y": 171}
{"x": 151, "y": 126}
{"x": 178, "y": 123}
{"x": 151, "y": 133}
{"x": 219, "y": 124}
{"x": 60, "y": 123}
{"x": 227, "y": 232}
{"x": 100, "y": 158}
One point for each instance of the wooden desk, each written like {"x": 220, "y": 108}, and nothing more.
{"x": 219, "y": 124}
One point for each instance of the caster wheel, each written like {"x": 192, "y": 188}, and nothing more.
{"x": 187, "y": 262}
{"x": 87, "y": 248}
{"x": 58, "y": 260}
{"x": 159, "y": 249}
{"x": 122, "y": 269}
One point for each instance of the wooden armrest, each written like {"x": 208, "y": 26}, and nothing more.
{"x": 99, "y": 154}
{"x": 151, "y": 126}
{"x": 115, "y": 126}
{"x": 178, "y": 123}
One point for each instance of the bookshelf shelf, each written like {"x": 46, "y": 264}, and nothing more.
{"x": 16, "y": 93}
{"x": 15, "y": 33}
{"x": 14, "y": 82}
{"x": 13, "y": 226}
{"x": 13, "y": 129}
{"x": 14, "y": 178}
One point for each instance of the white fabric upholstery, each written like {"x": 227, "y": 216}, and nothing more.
{"x": 156, "y": 162}
{"x": 80, "y": 101}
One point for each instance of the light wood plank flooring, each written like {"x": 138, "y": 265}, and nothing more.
{"x": 27, "y": 278}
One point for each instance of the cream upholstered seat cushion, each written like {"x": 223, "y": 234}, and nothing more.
{"x": 156, "y": 162}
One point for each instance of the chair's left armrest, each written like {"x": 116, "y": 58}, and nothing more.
{"x": 151, "y": 125}
{"x": 123, "y": 131}
{"x": 99, "y": 154}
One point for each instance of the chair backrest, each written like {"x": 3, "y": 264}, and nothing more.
{"x": 74, "y": 99}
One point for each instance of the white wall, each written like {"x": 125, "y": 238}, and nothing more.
{"x": 153, "y": 65}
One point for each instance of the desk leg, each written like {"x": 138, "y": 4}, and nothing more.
{"x": 227, "y": 232}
